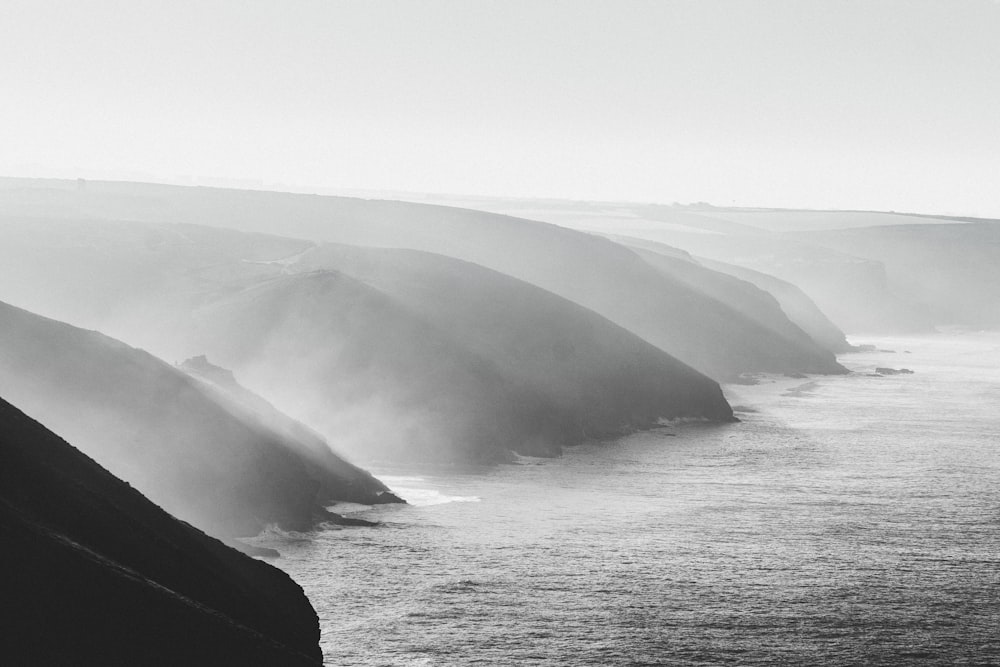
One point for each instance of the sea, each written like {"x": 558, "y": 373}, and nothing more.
{"x": 845, "y": 520}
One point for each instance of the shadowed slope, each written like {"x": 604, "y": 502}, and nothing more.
{"x": 94, "y": 573}
{"x": 348, "y": 360}
{"x": 420, "y": 356}
{"x": 155, "y": 427}
{"x": 603, "y": 375}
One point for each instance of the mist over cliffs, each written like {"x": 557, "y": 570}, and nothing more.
{"x": 390, "y": 354}
{"x": 596, "y": 273}
{"x": 457, "y": 354}
{"x": 401, "y": 331}
{"x": 297, "y": 337}
{"x": 867, "y": 271}
{"x": 223, "y": 469}
{"x": 804, "y": 338}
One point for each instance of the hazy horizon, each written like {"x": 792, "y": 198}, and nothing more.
{"x": 810, "y": 104}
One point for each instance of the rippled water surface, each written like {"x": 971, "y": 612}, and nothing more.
{"x": 846, "y": 520}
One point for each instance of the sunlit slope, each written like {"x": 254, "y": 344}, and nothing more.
{"x": 155, "y": 427}
{"x": 93, "y": 573}
{"x": 593, "y": 272}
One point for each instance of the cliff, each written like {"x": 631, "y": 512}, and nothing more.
{"x": 418, "y": 356}
{"x": 389, "y": 354}
{"x": 723, "y": 292}
{"x": 340, "y": 480}
{"x": 94, "y": 573}
{"x": 593, "y": 272}
{"x": 149, "y": 423}
{"x": 795, "y": 303}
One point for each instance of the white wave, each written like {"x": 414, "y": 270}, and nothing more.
{"x": 419, "y": 492}
{"x": 349, "y": 508}
{"x": 273, "y": 531}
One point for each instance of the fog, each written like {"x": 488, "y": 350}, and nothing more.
{"x": 152, "y": 425}
{"x": 392, "y": 355}
{"x": 500, "y": 332}
{"x": 867, "y": 271}
{"x": 600, "y": 275}
{"x": 430, "y": 333}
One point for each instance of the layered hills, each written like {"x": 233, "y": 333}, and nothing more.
{"x": 435, "y": 354}
{"x": 598, "y": 274}
{"x": 388, "y": 353}
{"x": 93, "y": 573}
{"x": 795, "y": 303}
{"x": 868, "y": 271}
{"x": 771, "y": 302}
{"x": 186, "y": 447}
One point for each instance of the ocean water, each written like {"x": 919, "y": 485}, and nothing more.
{"x": 845, "y": 520}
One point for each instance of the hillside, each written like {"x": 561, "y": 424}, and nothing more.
{"x": 389, "y": 354}
{"x": 339, "y": 481}
{"x": 795, "y": 303}
{"x": 93, "y": 573}
{"x": 869, "y": 271}
{"x": 593, "y": 272}
{"x": 771, "y": 302}
{"x": 157, "y": 428}
{"x": 408, "y": 355}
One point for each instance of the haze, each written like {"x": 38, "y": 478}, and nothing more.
{"x": 859, "y": 105}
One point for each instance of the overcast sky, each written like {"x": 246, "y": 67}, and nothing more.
{"x": 823, "y": 103}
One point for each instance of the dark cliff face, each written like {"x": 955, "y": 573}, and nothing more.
{"x": 93, "y": 573}
{"x": 154, "y": 426}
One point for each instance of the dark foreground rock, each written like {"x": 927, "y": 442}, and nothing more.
{"x": 93, "y": 573}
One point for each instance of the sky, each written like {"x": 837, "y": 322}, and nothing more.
{"x": 853, "y": 104}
